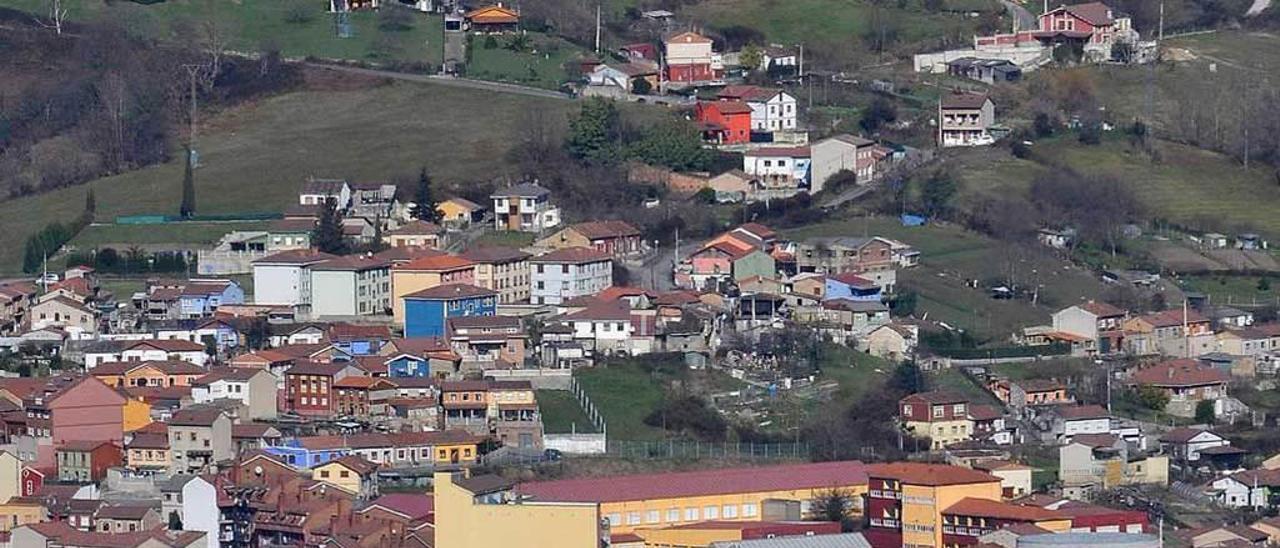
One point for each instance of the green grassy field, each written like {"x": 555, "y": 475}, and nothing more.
{"x": 1235, "y": 290}
{"x": 561, "y": 413}
{"x": 952, "y": 255}
{"x": 256, "y": 157}
{"x": 834, "y": 23}
{"x": 542, "y": 66}
{"x": 856, "y": 373}
{"x": 952, "y": 380}
{"x": 253, "y": 25}
{"x": 625, "y": 394}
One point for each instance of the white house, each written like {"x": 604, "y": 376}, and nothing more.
{"x": 255, "y": 388}
{"x": 1245, "y": 489}
{"x": 567, "y": 273}
{"x": 778, "y": 166}
{"x": 157, "y": 350}
{"x": 285, "y": 278}
{"x": 1072, "y": 421}
{"x": 1187, "y": 443}
{"x": 771, "y": 109}
{"x": 526, "y": 208}
{"x": 351, "y": 286}
{"x": 318, "y": 191}
{"x": 841, "y": 153}
{"x": 200, "y": 510}
{"x": 604, "y": 327}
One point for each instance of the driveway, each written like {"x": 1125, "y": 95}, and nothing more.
{"x": 1026, "y": 21}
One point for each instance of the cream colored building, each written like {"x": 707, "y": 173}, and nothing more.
{"x": 501, "y": 269}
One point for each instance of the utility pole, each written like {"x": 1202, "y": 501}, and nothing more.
{"x": 1160, "y": 35}
{"x": 597, "y": 27}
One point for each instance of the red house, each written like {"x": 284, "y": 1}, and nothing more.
{"x": 32, "y": 480}
{"x": 1095, "y": 22}
{"x": 309, "y": 387}
{"x": 724, "y": 122}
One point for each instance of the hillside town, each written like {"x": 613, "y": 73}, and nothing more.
{"x": 952, "y": 273}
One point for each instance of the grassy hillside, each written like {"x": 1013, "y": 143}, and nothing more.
{"x": 298, "y": 27}
{"x": 255, "y": 157}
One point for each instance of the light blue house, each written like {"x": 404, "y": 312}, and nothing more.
{"x": 426, "y": 311}
{"x": 201, "y": 297}
{"x": 298, "y": 455}
{"x": 847, "y": 285}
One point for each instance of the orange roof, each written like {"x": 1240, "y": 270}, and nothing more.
{"x": 1183, "y": 372}
{"x": 438, "y": 262}
{"x": 492, "y": 15}
{"x": 986, "y": 508}
{"x": 918, "y": 473}
{"x": 688, "y": 38}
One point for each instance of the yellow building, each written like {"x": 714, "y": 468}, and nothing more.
{"x": 501, "y": 269}
{"x": 483, "y": 511}
{"x": 10, "y": 476}
{"x": 22, "y": 511}
{"x": 650, "y": 501}
{"x": 426, "y": 273}
{"x": 457, "y": 212}
{"x": 351, "y": 473}
{"x": 148, "y": 451}
{"x": 137, "y": 414}
{"x": 702, "y": 534}
{"x": 941, "y": 416}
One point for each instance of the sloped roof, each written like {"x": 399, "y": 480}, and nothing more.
{"x": 525, "y": 190}
{"x": 918, "y": 473}
{"x": 724, "y": 481}
{"x": 1183, "y": 372}
{"x": 575, "y": 255}
{"x": 600, "y": 230}
{"x": 748, "y": 93}
{"x": 452, "y": 291}
{"x": 1183, "y": 435}
{"x": 493, "y": 15}
{"x": 417, "y": 227}
{"x": 727, "y": 107}
{"x": 970, "y": 506}
{"x": 354, "y": 263}
{"x": 296, "y": 257}
{"x": 963, "y": 100}
{"x": 494, "y": 254}
{"x": 688, "y": 38}
{"x": 1101, "y": 309}
{"x": 1173, "y": 317}
{"x": 1095, "y": 13}
{"x": 1081, "y": 412}
{"x": 436, "y": 263}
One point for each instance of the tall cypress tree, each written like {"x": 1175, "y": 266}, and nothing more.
{"x": 424, "y": 204}
{"x": 90, "y": 204}
{"x": 327, "y": 236}
{"x": 188, "y": 207}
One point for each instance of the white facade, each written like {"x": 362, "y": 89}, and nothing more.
{"x": 282, "y": 284}
{"x": 1076, "y": 321}
{"x": 148, "y": 354}
{"x": 524, "y": 214}
{"x": 553, "y": 283}
{"x": 1073, "y": 427}
{"x": 778, "y": 113}
{"x": 350, "y": 292}
{"x": 200, "y": 510}
{"x": 257, "y": 393}
{"x": 1233, "y": 494}
{"x": 841, "y": 153}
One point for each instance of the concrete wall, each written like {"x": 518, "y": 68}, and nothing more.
{"x": 576, "y": 444}
{"x": 200, "y": 510}
{"x": 281, "y": 285}
{"x": 541, "y": 379}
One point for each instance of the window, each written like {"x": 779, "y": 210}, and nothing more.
{"x": 730, "y": 511}
{"x": 906, "y": 410}
{"x": 711, "y": 512}
{"x": 324, "y": 474}
{"x": 673, "y": 515}
{"x": 749, "y": 510}
{"x": 344, "y": 474}
{"x": 937, "y": 411}
{"x": 691, "y": 514}
{"x": 651, "y": 516}
{"x": 958, "y": 409}
{"x": 633, "y": 518}
{"x": 615, "y": 519}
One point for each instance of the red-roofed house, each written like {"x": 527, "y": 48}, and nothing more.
{"x": 970, "y": 518}
{"x": 691, "y": 59}
{"x": 1096, "y": 321}
{"x": 1178, "y": 333}
{"x": 426, "y": 273}
{"x": 771, "y": 109}
{"x": 1186, "y": 382}
{"x": 723, "y": 260}
{"x": 719, "y": 533}
{"x": 617, "y": 238}
{"x": 640, "y": 501}
{"x": 896, "y": 492}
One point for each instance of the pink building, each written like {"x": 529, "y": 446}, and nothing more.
{"x": 88, "y": 410}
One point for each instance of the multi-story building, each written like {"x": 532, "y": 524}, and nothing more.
{"x": 943, "y": 417}
{"x": 428, "y": 311}
{"x": 316, "y": 192}
{"x": 771, "y": 109}
{"x": 148, "y": 452}
{"x": 524, "y": 208}
{"x": 641, "y": 501}
{"x": 85, "y": 410}
{"x": 724, "y": 122}
{"x": 838, "y": 153}
{"x": 1098, "y": 322}
{"x": 516, "y": 419}
{"x": 148, "y": 373}
{"x": 199, "y": 438}
{"x": 906, "y": 501}
{"x": 83, "y": 461}
{"x": 253, "y": 387}
{"x": 416, "y": 233}
{"x": 354, "y": 285}
{"x": 1185, "y": 382}
{"x": 1178, "y": 333}
{"x": 1094, "y": 462}
{"x": 488, "y": 339}
{"x": 964, "y": 119}
{"x": 785, "y": 170}
{"x": 691, "y": 59}
{"x": 466, "y": 405}
{"x": 351, "y": 473}
{"x": 871, "y": 258}
{"x": 309, "y": 387}
{"x": 567, "y": 273}
{"x": 285, "y": 278}
{"x": 466, "y": 509}
{"x": 502, "y": 269}
{"x": 426, "y": 273}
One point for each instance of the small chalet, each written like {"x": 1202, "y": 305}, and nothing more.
{"x": 497, "y": 18}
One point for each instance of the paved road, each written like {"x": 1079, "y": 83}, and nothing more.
{"x": 498, "y": 87}
{"x": 1026, "y": 21}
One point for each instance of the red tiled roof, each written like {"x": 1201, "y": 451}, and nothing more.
{"x": 306, "y": 367}
{"x": 1095, "y": 13}
{"x": 1102, "y": 309}
{"x": 688, "y": 38}
{"x": 417, "y": 227}
{"x": 962, "y": 100}
{"x": 169, "y": 345}
{"x": 1183, "y": 435}
{"x": 436, "y": 263}
{"x": 727, "y": 107}
{"x": 352, "y": 263}
{"x": 601, "y": 230}
{"x": 776, "y": 152}
{"x": 1076, "y": 412}
{"x": 987, "y": 508}
{"x": 984, "y": 413}
{"x": 576, "y": 255}
{"x": 702, "y": 483}
{"x": 1173, "y": 318}
{"x": 937, "y": 397}
{"x": 852, "y": 280}
{"x": 1184, "y": 372}
{"x": 748, "y": 93}
{"x": 609, "y": 311}
{"x": 296, "y": 257}
{"x": 494, "y": 254}
{"x": 412, "y": 505}
{"x": 452, "y": 291}
{"x": 355, "y": 463}
{"x": 918, "y": 473}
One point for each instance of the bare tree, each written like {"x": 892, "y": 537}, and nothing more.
{"x": 113, "y": 95}
{"x": 57, "y": 15}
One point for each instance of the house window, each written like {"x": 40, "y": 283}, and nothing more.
{"x": 673, "y": 515}
{"x": 691, "y": 514}
{"x": 730, "y": 511}
{"x": 651, "y": 516}
{"x": 749, "y": 510}
{"x": 711, "y": 512}
{"x": 615, "y": 519}
{"x": 958, "y": 409}
{"x": 906, "y": 410}
{"x": 937, "y": 411}
{"x": 633, "y": 518}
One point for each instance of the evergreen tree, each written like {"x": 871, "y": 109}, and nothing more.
{"x": 327, "y": 236}
{"x": 424, "y": 204}
{"x": 90, "y": 204}
{"x": 594, "y": 133}
{"x": 188, "y": 207}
